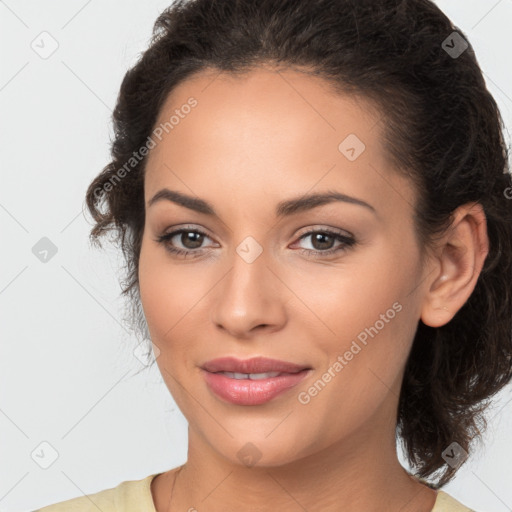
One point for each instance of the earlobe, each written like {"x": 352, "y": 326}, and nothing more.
{"x": 461, "y": 255}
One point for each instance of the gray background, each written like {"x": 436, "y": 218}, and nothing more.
{"x": 68, "y": 371}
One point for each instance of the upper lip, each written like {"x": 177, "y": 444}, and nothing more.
{"x": 253, "y": 365}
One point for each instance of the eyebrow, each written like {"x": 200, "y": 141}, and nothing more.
{"x": 284, "y": 208}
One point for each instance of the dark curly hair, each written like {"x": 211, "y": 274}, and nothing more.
{"x": 443, "y": 130}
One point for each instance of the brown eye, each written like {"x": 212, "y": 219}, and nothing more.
{"x": 193, "y": 238}
{"x": 320, "y": 241}
{"x": 323, "y": 240}
{"x": 190, "y": 239}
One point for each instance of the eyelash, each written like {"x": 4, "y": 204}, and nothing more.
{"x": 346, "y": 242}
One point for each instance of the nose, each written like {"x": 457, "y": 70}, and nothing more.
{"x": 250, "y": 299}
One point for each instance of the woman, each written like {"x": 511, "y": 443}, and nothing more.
{"x": 312, "y": 201}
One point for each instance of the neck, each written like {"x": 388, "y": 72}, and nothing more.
{"x": 360, "y": 473}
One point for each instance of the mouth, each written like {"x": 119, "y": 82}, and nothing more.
{"x": 253, "y": 381}
{"x": 254, "y": 366}
{"x": 253, "y": 376}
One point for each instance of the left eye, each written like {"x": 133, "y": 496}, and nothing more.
{"x": 319, "y": 237}
{"x": 192, "y": 240}
{"x": 185, "y": 238}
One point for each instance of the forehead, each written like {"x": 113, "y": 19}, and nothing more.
{"x": 268, "y": 94}
{"x": 268, "y": 129}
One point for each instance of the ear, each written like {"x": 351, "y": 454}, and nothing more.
{"x": 459, "y": 259}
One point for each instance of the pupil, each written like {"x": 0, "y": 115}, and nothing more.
{"x": 318, "y": 237}
{"x": 189, "y": 237}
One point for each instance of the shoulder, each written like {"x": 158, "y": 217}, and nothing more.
{"x": 128, "y": 496}
{"x": 447, "y": 503}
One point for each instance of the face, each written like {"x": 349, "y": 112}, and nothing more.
{"x": 335, "y": 288}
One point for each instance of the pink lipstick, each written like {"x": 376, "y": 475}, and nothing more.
{"x": 252, "y": 381}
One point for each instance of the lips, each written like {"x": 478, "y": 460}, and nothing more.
{"x": 253, "y": 365}
{"x": 268, "y": 378}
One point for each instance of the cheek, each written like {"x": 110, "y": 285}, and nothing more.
{"x": 152, "y": 299}
{"x": 159, "y": 291}
{"x": 170, "y": 295}
{"x": 342, "y": 300}
{"x": 364, "y": 353}
{"x": 363, "y": 312}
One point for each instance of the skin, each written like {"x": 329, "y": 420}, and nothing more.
{"x": 251, "y": 142}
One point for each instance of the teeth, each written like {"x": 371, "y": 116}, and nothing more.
{"x": 252, "y": 376}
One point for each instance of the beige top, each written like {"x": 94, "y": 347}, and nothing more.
{"x": 135, "y": 496}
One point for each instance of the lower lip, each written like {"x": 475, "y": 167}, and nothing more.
{"x": 252, "y": 392}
